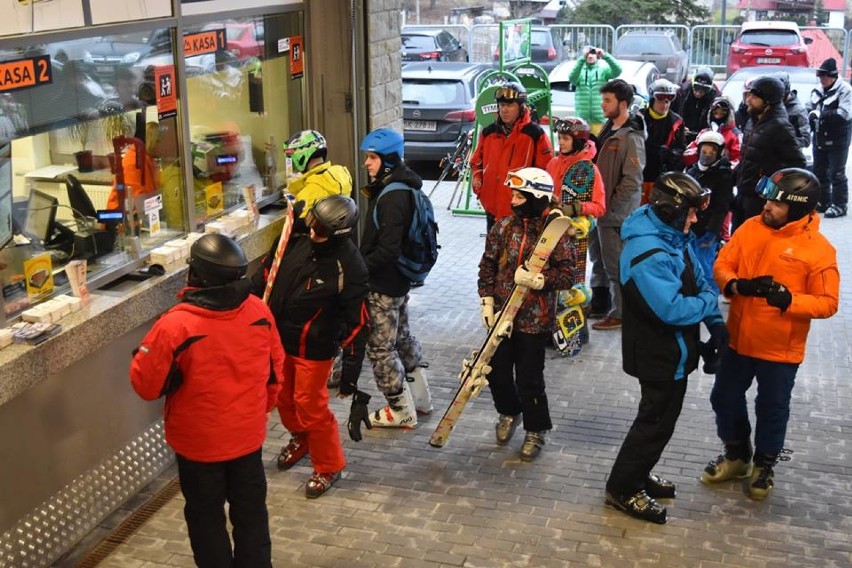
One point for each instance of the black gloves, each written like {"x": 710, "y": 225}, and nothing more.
{"x": 358, "y": 413}
{"x": 712, "y": 350}
{"x": 754, "y": 286}
{"x": 719, "y": 336}
{"x": 298, "y": 208}
{"x": 346, "y": 386}
{"x": 779, "y": 297}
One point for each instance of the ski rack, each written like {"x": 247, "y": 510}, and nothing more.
{"x": 534, "y": 79}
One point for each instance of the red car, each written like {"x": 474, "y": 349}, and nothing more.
{"x": 768, "y": 43}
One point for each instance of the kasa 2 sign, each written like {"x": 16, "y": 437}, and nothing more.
{"x": 23, "y": 73}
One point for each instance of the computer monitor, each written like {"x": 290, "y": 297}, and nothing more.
{"x": 41, "y": 216}
{"x": 81, "y": 205}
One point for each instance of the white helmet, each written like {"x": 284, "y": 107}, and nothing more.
{"x": 662, "y": 87}
{"x": 710, "y": 137}
{"x": 534, "y": 181}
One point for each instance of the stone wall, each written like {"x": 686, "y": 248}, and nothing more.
{"x": 384, "y": 78}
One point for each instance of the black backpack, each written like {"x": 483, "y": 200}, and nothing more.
{"x": 420, "y": 245}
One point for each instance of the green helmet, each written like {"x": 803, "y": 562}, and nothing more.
{"x": 304, "y": 146}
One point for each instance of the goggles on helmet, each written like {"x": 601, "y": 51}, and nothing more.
{"x": 664, "y": 97}
{"x": 723, "y": 104}
{"x": 769, "y": 190}
{"x": 514, "y": 181}
{"x": 703, "y": 199}
{"x": 313, "y": 223}
{"x": 508, "y": 94}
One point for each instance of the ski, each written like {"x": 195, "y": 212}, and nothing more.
{"x": 279, "y": 252}
{"x": 474, "y": 370}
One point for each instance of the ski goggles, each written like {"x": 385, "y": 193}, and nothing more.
{"x": 722, "y": 104}
{"x": 514, "y": 181}
{"x": 664, "y": 97}
{"x": 509, "y": 95}
{"x": 769, "y": 190}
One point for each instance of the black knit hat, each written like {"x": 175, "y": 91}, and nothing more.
{"x": 828, "y": 67}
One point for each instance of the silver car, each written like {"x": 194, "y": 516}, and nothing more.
{"x": 660, "y": 47}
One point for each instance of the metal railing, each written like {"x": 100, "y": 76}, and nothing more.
{"x": 709, "y": 46}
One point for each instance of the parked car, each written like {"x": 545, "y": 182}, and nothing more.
{"x": 768, "y": 43}
{"x": 437, "y": 105}
{"x": 545, "y": 46}
{"x": 640, "y": 74}
{"x": 421, "y": 44}
{"x": 660, "y": 47}
{"x": 803, "y": 80}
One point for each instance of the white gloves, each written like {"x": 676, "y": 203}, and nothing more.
{"x": 524, "y": 277}
{"x": 486, "y": 308}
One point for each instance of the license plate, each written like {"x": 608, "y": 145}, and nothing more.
{"x": 423, "y": 125}
{"x": 769, "y": 60}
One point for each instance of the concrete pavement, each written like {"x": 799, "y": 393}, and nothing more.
{"x": 475, "y": 504}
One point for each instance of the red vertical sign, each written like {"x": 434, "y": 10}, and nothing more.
{"x": 297, "y": 68}
{"x": 164, "y": 81}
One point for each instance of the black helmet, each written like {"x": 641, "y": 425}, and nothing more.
{"x": 796, "y": 187}
{"x": 674, "y": 194}
{"x": 703, "y": 78}
{"x": 333, "y": 216}
{"x": 768, "y": 88}
{"x": 511, "y": 92}
{"x": 215, "y": 260}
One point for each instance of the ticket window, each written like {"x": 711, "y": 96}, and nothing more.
{"x": 243, "y": 103}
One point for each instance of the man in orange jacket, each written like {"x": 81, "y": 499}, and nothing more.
{"x": 511, "y": 142}
{"x": 780, "y": 273}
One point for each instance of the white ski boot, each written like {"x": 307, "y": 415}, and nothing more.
{"x": 399, "y": 412}
{"x": 420, "y": 391}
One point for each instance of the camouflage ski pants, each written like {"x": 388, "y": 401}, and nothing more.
{"x": 390, "y": 346}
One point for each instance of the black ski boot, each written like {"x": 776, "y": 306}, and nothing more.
{"x": 639, "y": 505}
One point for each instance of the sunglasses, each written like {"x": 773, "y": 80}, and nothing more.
{"x": 664, "y": 97}
{"x": 508, "y": 94}
{"x": 517, "y": 182}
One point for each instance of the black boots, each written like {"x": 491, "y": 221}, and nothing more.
{"x": 640, "y": 505}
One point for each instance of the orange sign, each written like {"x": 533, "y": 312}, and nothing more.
{"x": 297, "y": 66}
{"x": 164, "y": 80}
{"x": 204, "y": 42}
{"x": 23, "y": 73}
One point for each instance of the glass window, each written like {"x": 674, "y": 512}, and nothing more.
{"x": 433, "y": 93}
{"x": 243, "y": 102}
{"x": 644, "y": 44}
{"x": 770, "y": 38}
{"x": 93, "y": 172}
{"x": 418, "y": 42}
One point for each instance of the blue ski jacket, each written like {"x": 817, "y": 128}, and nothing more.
{"x": 666, "y": 295}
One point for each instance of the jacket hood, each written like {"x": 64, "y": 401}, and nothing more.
{"x": 644, "y": 222}
{"x": 217, "y": 298}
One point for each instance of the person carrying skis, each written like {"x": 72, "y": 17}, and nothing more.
{"x": 517, "y": 376}
{"x": 318, "y": 297}
{"x": 578, "y": 191}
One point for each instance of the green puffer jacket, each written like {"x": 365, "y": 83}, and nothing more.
{"x": 588, "y": 79}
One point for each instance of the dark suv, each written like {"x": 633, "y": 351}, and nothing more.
{"x": 545, "y": 48}
{"x": 431, "y": 45}
{"x": 660, "y": 47}
{"x": 437, "y": 105}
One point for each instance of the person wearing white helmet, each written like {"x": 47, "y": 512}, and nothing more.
{"x": 517, "y": 377}
{"x": 721, "y": 118}
{"x": 713, "y": 171}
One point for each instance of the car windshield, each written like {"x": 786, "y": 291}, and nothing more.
{"x": 418, "y": 42}
{"x": 540, "y": 38}
{"x": 643, "y": 45}
{"x": 432, "y": 93}
{"x": 770, "y": 38}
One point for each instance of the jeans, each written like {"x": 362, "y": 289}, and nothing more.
{"x": 517, "y": 379}
{"x": 830, "y": 169}
{"x": 242, "y": 483}
{"x": 772, "y": 405}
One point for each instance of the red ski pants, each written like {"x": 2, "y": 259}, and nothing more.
{"x": 304, "y": 411}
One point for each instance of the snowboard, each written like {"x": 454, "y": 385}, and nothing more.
{"x": 475, "y": 370}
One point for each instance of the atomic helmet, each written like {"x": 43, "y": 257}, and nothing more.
{"x": 663, "y": 88}
{"x": 535, "y": 185}
{"x": 674, "y": 194}
{"x": 304, "y": 146}
{"x": 798, "y": 188}
{"x": 577, "y": 128}
{"x": 333, "y": 216}
{"x": 215, "y": 260}
{"x": 387, "y": 143}
{"x": 770, "y": 89}
{"x": 511, "y": 92}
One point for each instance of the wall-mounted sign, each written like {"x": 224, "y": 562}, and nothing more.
{"x": 164, "y": 81}
{"x": 23, "y": 73}
{"x": 204, "y": 42}
{"x": 297, "y": 67}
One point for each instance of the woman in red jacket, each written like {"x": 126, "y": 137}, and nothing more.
{"x": 217, "y": 358}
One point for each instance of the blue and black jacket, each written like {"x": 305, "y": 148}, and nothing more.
{"x": 666, "y": 295}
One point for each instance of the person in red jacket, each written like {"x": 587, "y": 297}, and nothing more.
{"x": 780, "y": 273}
{"x": 218, "y": 360}
{"x": 511, "y": 142}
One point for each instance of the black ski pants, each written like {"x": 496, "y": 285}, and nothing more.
{"x": 517, "y": 379}
{"x": 651, "y": 431}
{"x": 206, "y": 487}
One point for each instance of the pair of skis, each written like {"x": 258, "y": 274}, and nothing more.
{"x": 475, "y": 370}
